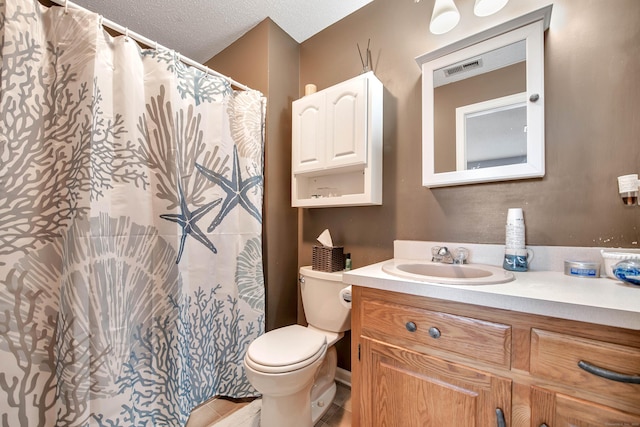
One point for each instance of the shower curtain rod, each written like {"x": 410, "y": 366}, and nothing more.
{"x": 152, "y": 43}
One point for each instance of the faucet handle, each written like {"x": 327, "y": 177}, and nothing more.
{"x": 444, "y": 251}
{"x": 435, "y": 256}
{"x": 460, "y": 255}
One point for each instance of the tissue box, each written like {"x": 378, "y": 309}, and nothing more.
{"x": 328, "y": 259}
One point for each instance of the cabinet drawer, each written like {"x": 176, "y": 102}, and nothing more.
{"x": 556, "y": 356}
{"x": 410, "y": 326}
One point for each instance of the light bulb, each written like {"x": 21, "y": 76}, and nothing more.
{"x": 488, "y": 7}
{"x": 445, "y": 17}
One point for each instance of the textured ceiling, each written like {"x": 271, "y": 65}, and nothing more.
{"x": 199, "y": 29}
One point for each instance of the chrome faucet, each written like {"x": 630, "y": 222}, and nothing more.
{"x": 441, "y": 254}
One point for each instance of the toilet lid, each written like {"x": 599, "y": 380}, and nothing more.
{"x": 286, "y": 346}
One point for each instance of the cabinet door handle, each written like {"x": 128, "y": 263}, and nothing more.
{"x": 500, "y": 418}
{"x": 411, "y": 327}
{"x": 610, "y": 375}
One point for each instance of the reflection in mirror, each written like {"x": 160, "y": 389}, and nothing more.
{"x": 481, "y": 87}
{"x": 492, "y": 133}
{"x": 483, "y": 105}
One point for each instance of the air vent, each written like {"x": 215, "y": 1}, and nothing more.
{"x": 471, "y": 65}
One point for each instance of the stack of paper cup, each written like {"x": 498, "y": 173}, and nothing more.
{"x": 515, "y": 231}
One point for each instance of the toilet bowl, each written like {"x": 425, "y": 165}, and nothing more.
{"x": 294, "y": 367}
{"x": 285, "y": 378}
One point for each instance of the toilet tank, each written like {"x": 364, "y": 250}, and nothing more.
{"x": 321, "y": 300}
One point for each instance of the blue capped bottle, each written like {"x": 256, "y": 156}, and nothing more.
{"x": 515, "y": 252}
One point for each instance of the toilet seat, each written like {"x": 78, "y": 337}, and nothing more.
{"x": 286, "y": 349}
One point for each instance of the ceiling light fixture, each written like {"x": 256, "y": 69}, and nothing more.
{"x": 445, "y": 16}
{"x": 488, "y": 7}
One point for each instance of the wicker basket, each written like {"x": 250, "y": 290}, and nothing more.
{"x": 328, "y": 259}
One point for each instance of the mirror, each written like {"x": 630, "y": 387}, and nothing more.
{"x": 483, "y": 105}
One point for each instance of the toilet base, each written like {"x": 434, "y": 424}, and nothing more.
{"x": 321, "y": 405}
{"x": 286, "y": 411}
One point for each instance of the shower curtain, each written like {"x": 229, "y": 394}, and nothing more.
{"x": 130, "y": 227}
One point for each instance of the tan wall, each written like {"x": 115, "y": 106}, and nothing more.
{"x": 266, "y": 59}
{"x": 592, "y": 64}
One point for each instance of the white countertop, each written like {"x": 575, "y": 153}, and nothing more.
{"x": 550, "y": 293}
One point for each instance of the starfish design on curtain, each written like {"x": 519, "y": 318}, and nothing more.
{"x": 188, "y": 221}
{"x": 236, "y": 189}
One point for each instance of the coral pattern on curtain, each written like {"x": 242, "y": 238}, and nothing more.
{"x": 131, "y": 194}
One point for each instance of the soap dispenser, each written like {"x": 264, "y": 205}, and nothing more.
{"x": 515, "y": 253}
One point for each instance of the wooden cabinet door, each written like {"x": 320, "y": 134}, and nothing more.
{"x": 347, "y": 109}
{"x": 402, "y": 388}
{"x": 308, "y": 133}
{"x": 558, "y": 410}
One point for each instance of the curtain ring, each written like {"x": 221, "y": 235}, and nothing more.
{"x": 126, "y": 34}
{"x": 156, "y": 42}
{"x": 100, "y": 18}
{"x": 66, "y": 7}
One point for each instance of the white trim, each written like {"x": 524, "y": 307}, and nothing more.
{"x": 343, "y": 376}
{"x": 543, "y": 14}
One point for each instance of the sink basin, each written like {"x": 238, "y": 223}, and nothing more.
{"x": 447, "y": 274}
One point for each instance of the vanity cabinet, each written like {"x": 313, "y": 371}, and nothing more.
{"x": 407, "y": 388}
{"x": 421, "y": 361}
{"x": 559, "y": 410}
{"x": 337, "y": 145}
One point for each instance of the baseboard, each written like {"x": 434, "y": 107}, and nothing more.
{"x": 343, "y": 376}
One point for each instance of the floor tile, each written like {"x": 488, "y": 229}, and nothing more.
{"x": 202, "y": 416}
{"x": 341, "y": 418}
{"x": 211, "y": 412}
{"x": 343, "y": 396}
{"x": 226, "y": 406}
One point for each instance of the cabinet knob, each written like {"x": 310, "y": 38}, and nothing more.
{"x": 534, "y": 97}
{"x": 411, "y": 327}
{"x": 434, "y": 332}
{"x": 544, "y": 425}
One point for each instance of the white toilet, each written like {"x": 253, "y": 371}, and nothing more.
{"x": 294, "y": 367}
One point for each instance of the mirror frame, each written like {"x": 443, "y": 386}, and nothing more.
{"x": 529, "y": 27}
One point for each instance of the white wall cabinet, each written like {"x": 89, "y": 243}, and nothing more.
{"x": 337, "y": 145}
